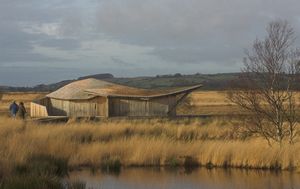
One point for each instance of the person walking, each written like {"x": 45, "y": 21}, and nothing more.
{"x": 13, "y": 108}
{"x": 22, "y": 110}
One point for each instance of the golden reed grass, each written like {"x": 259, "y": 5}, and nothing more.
{"x": 151, "y": 142}
{"x": 198, "y": 102}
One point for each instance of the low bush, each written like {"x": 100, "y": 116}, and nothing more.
{"x": 43, "y": 165}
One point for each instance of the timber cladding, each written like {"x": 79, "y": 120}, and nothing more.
{"x": 141, "y": 107}
{"x": 93, "y": 98}
{"x": 78, "y": 108}
{"x": 113, "y": 107}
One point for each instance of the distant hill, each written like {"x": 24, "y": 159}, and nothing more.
{"x": 210, "y": 81}
{"x": 98, "y": 76}
{"x": 53, "y": 86}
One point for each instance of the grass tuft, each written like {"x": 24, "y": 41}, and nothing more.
{"x": 43, "y": 165}
{"x": 110, "y": 144}
{"x": 31, "y": 182}
{"x": 111, "y": 164}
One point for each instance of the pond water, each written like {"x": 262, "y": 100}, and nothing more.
{"x": 160, "y": 178}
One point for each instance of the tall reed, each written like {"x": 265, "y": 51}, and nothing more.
{"x": 151, "y": 142}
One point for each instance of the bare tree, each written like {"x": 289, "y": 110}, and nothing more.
{"x": 267, "y": 84}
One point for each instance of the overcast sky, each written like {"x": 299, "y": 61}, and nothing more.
{"x": 44, "y": 41}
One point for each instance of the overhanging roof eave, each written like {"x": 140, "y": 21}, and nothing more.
{"x": 188, "y": 90}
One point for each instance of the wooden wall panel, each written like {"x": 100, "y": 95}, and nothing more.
{"x": 37, "y": 110}
{"x": 58, "y": 107}
{"x": 136, "y": 107}
{"x": 79, "y": 108}
{"x": 101, "y": 106}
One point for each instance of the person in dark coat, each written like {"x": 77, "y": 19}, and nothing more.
{"x": 13, "y": 108}
{"x": 22, "y": 110}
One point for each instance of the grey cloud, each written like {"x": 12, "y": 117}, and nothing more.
{"x": 194, "y": 55}
{"x": 178, "y": 29}
{"x": 171, "y": 22}
{"x": 17, "y": 46}
{"x": 186, "y": 36}
{"x": 22, "y": 76}
{"x": 64, "y": 44}
{"x": 72, "y": 25}
{"x": 121, "y": 62}
{"x": 29, "y": 10}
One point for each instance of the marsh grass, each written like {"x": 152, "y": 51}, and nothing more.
{"x": 112, "y": 144}
{"x": 31, "y": 182}
{"x": 76, "y": 184}
{"x": 39, "y": 171}
{"x": 39, "y": 182}
{"x": 111, "y": 164}
{"x": 43, "y": 165}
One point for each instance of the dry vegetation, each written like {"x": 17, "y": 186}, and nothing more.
{"x": 200, "y": 102}
{"x": 159, "y": 142}
{"x": 150, "y": 142}
{"x": 208, "y": 103}
{"x": 7, "y": 98}
{"x": 213, "y": 103}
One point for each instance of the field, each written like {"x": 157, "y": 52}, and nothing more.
{"x": 7, "y": 98}
{"x": 216, "y": 140}
{"x": 202, "y": 102}
{"x": 212, "y": 103}
{"x": 152, "y": 142}
{"x": 29, "y": 150}
{"x": 208, "y": 103}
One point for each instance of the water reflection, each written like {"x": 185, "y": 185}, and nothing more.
{"x": 162, "y": 178}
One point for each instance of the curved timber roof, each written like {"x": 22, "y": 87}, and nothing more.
{"x": 90, "y": 88}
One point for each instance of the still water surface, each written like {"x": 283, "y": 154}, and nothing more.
{"x": 145, "y": 178}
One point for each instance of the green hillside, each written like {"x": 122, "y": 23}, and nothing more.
{"x": 210, "y": 82}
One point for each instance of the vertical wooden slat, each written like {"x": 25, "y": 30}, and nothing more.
{"x": 37, "y": 110}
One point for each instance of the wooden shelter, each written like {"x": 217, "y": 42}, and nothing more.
{"x": 97, "y": 98}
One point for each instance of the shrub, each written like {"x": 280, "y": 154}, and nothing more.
{"x": 31, "y": 182}
{"x": 111, "y": 164}
{"x": 43, "y": 165}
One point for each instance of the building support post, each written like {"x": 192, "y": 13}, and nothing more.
{"x": 177, "y": 102}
